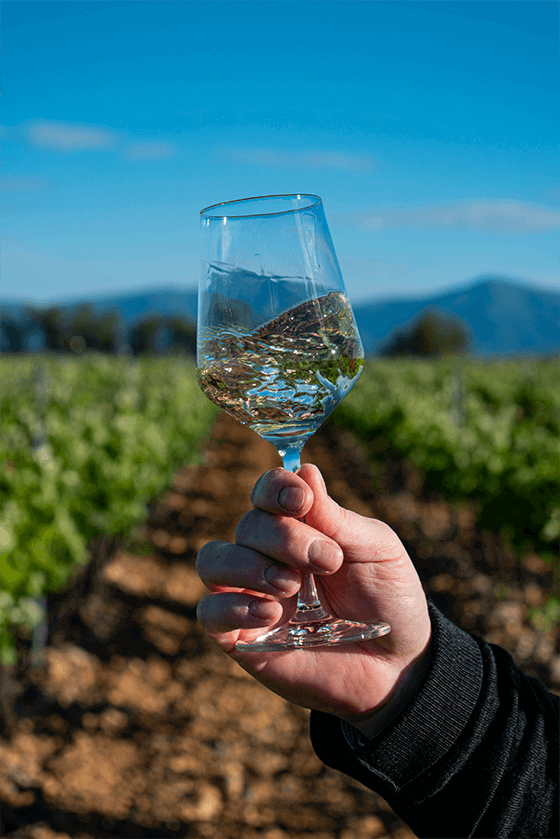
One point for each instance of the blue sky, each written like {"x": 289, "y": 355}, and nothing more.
{"x": 429, "y": 128}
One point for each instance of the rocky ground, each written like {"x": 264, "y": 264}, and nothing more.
{"x": 133, "y": 725}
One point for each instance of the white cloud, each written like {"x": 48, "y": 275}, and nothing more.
{"x": 489, "y": 216}
{"x": 150, "y": 150}
{"x": 69, "y": 136}
{"x": 283, "y": 159}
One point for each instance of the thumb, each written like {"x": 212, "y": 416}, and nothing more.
{"x": 362, "y": 539}
{"x": 325, "y": 514}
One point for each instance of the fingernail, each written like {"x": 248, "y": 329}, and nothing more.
{"x": 291, "y": 498}
{"x": 263, "y": 609}
{"x": 324, "y": 556}
{"x": 283, "y": 579}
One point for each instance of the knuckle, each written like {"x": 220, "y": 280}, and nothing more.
{"x": 250, "y": 527}
{"x": 206, "y": 557}
{"x": 387, "y": 541}
{"x": 204, "y": 554}
{"x": 263, "y": 482}
{"x": 201, "y": 559}
{"x": 385, "y": 531}
{"x": 256, "y": 490}
{"x": 203, "y": 608}
{"x": 243, "y": 527}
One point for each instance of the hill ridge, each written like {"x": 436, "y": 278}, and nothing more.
{"x": 505, "y": 317}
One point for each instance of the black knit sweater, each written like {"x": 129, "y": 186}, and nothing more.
{"x": 474, "y": 754}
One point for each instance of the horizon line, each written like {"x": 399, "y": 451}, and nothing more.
{"x": 410, "y": 294}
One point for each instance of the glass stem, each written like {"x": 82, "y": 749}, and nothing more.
{"x": 291, "y": 459}
{"x": 309, "y": 607}
{"x": 308, "y": 604}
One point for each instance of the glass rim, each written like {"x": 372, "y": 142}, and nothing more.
{"x": 316, "y": 201}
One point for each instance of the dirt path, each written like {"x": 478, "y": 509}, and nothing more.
{"x": 135, "y": 726}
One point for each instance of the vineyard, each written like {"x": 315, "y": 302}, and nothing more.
{"x": 489, "y": 432}
{"x": 132, "y": 725}
{"x": 86, "y": 443}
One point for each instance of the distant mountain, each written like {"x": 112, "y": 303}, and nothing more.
{"x": 505, "y": 318}
{"x": 132, "y": 306}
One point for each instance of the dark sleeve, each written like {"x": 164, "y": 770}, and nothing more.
{"x": 474, "y": 754}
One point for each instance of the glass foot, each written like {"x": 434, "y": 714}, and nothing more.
{"x": 325, "y": 633}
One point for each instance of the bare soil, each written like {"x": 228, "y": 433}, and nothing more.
{"x": 134, "y": 725}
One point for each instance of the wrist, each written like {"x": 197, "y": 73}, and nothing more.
{"x": 406, "y": 687}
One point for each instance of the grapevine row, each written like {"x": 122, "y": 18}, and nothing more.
{"x": 486, "y": 431}
{"x": 84, "y": 444}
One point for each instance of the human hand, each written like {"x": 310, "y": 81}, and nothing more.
{"x": 362, "y": 572}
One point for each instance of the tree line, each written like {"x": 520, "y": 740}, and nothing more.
{"x": 82, "y": 329}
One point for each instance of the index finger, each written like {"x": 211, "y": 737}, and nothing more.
{"x": 282, "y": 493}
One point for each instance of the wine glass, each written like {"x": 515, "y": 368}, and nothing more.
{"x": 278, "y": 348}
